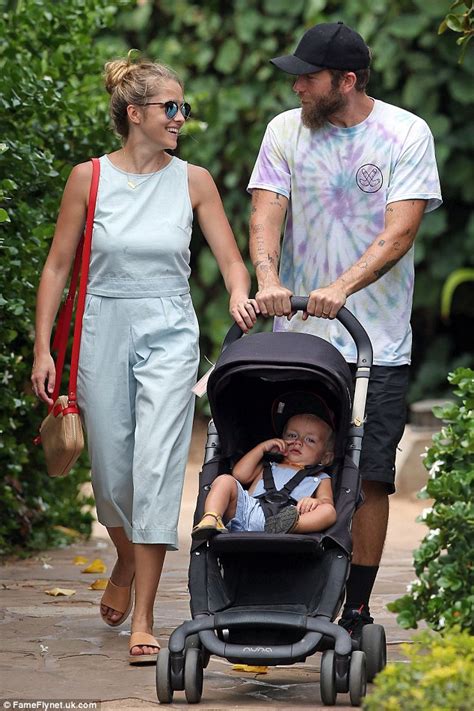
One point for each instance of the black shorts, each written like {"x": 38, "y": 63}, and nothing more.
{"x": 386, "y": 418}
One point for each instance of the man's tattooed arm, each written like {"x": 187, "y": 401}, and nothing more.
{"x": 402, "y": 220}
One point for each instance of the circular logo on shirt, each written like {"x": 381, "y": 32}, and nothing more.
{"x": 369, "y": 178}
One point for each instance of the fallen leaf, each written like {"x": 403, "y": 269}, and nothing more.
{"x": 99, "y": 584}
{"x": 60, "y": 591}
{"x": 80, "y": 560}
{"x": 249, "y": 668}
{"x": 97, "y": 566}
{"x": 68, "y": 531}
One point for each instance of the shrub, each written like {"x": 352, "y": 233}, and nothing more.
{"x": 443, "y": 595}
{"x": 439, "y": 677}
{"x": 54, "y": 114}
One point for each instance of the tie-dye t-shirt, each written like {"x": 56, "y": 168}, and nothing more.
{"x": 339, "y": 182}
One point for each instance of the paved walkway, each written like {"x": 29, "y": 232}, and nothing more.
{"x": 58, "y": 647}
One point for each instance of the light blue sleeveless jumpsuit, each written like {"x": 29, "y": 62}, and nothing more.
{"x": 139, "y": 350}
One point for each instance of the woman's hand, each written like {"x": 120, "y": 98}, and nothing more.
{"x": 244, "y": 311}
{"x": 307, "y": 504}
{"x": 43, "y": 377}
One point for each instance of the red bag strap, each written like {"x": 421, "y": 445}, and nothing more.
{"x": 81, "y": 265}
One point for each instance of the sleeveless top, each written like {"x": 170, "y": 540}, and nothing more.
{"x": 141, "y": 237}
{"x": 282, "y": 474}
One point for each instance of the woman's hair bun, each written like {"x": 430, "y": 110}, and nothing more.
{"x": 116, "y": 71}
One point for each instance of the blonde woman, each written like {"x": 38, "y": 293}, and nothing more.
{"x": 139, "y": 347}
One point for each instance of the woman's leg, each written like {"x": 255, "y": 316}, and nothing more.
{"x": 149, "y": 559}
{"x": 124, "y": 568}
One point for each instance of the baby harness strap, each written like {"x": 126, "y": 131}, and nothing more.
{"x": 272, "y": 500}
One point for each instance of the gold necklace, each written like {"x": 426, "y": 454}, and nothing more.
{"x": 133, "y": 186}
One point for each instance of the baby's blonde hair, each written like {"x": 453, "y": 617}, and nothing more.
{"x": 132, "y": 82}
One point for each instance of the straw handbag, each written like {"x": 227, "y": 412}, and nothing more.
{"x": 61, "y": 434}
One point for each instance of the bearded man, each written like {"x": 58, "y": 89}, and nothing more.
{"x": 353, "y": 176}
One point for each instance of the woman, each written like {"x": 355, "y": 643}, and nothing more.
{"x": 139, "y": 346}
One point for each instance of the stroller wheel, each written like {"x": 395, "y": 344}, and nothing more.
{"x": 327, "y": 678}
{"x": 193, "y": 675}
{"x": 164, "y": 690}
{"x": 193, "y": 641}
{"x": 374, "y": 645}
{"x": 357, "y": 678}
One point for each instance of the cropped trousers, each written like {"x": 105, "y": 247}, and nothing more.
{"x": 138, "y": 362}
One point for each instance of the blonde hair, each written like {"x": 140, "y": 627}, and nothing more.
{"x": 132, "y": 82}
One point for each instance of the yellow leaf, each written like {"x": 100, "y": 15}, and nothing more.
{"x": 249, "y": 668}
{"x": 80, "y": 560}
{"x": 68, "y": 531}
{"x": 97, "y": 566}
{"x": 99, "y": 584}
{"x": 60, "y": 591}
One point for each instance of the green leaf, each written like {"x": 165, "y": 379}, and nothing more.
{"x": 454, "y": 22}
{"x": 408, "y": 26}
{"x": 228, "y": 56}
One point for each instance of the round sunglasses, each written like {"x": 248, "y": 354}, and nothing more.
{"x": 171, "y": 108}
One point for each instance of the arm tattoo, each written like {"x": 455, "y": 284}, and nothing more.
{"x": 260, "y": 248}
{"x": 381, "y": 243}
{"x": 276, "y": 201}
{"x": 268, "y": 263}
{"x": 389, "y": 209}
{"x": 386, "y": 268}
{"x": 364, "y": 263}
{"x": 256, "y": 228}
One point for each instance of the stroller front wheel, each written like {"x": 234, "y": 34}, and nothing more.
{"x": 164, "y": 689}
{"x": 357, "y": 678}
{"x": 374, "y": 644}
{"x": 193, "y": 675}
{"x": 327, "y": 678}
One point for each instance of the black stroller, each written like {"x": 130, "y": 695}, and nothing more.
{"x": 260, "y": 598}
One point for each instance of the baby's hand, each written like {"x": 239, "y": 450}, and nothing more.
{"x": 274, "y": 445}
{"x": 307, "y": 504}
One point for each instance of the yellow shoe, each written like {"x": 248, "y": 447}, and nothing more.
{"x": 203, "y": 531}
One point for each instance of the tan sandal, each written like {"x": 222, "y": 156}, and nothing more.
{"x": 142, "y": 639}
{"x": 120, "y": 599}
{"x": 203, "y": 531}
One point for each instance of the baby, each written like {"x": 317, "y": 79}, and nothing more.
{"x": 307, "y": 440}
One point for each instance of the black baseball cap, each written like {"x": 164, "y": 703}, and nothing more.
{"x": 299, "y": 402}
{"x": 330, "y": 45}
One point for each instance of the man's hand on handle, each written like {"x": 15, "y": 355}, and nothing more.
{"x": 325, "y": 302}
{"x": 274, "y": 301}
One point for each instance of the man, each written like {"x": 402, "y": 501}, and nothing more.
{"x": 353, "y": 176}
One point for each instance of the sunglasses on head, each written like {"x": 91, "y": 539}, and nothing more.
{"x": 171, "y": 108}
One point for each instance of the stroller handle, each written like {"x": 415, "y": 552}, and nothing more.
{"x": 344, "y": 316}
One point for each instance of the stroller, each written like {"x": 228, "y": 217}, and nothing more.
{"x": 260, "y": 598}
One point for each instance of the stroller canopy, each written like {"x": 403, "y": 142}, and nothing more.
{"x": 256, "y": 369}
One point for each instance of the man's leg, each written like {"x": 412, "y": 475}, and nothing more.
{"x": 370, "y": 524}
{"x": 369, "y": 529}
{"x": 384, "y": 427}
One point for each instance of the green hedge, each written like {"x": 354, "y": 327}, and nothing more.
{"x": 54, "y": 114}
{"x": 443, "y": 594}
{"x": 439, "y": 676}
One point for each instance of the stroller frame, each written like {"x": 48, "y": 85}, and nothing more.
{"x": 343, "y": 668}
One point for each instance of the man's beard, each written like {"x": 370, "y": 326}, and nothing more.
{"x": 317, "y": 113}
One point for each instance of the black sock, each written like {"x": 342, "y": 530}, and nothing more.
{"x": 359, "y": 586}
